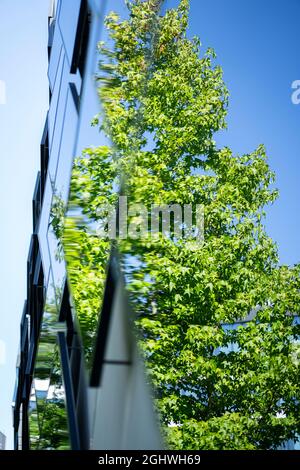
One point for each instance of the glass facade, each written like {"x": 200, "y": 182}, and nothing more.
{"x": 56, "y": 400}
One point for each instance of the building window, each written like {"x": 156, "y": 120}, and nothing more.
{"x": 81, "y": 39}
{"x": 44, "y": 157}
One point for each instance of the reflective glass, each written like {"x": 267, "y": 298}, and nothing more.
{"x": 68, "y": 28}
{"x": 61, "y": 189}
{"x": 54, "y": 433}
{"x": 77, "y": 80}
{"x": 47, "y": 412}
{"x": 59, "y": 119}
{"x": 66, "y": 152}
{"x": 48, "y": 421}
{"x": 86, "y": 253}
{"x": 53, "y": 110}
{"x": 57, "y": 264}
{"x": 33, "y": 421}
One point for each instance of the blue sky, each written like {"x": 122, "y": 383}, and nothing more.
{"x": 23, "y": 67}
{"x": 257, "y": 46}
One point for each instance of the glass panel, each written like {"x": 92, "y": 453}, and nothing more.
{"x": 54, "y": 57}
{"x": 89, "y": 135}
{"x": 58, "y": 128}
{"x": 86, "y": 254}
{"x": 47, "y": 412}
{"x": 52, "y": 115}
{"x": 67, "y": 27}
{"x": 77, "y": 80}
{"x": 61, "y": 190}
{"x": 20, "y": 428}
{"x": 43, "y": 225}
{"x": 43, "y": 367}
{"x": 54, "y": 433}
{"x": 85, "y": 251}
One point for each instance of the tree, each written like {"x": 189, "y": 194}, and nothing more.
{"x": 218, "y": 385}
